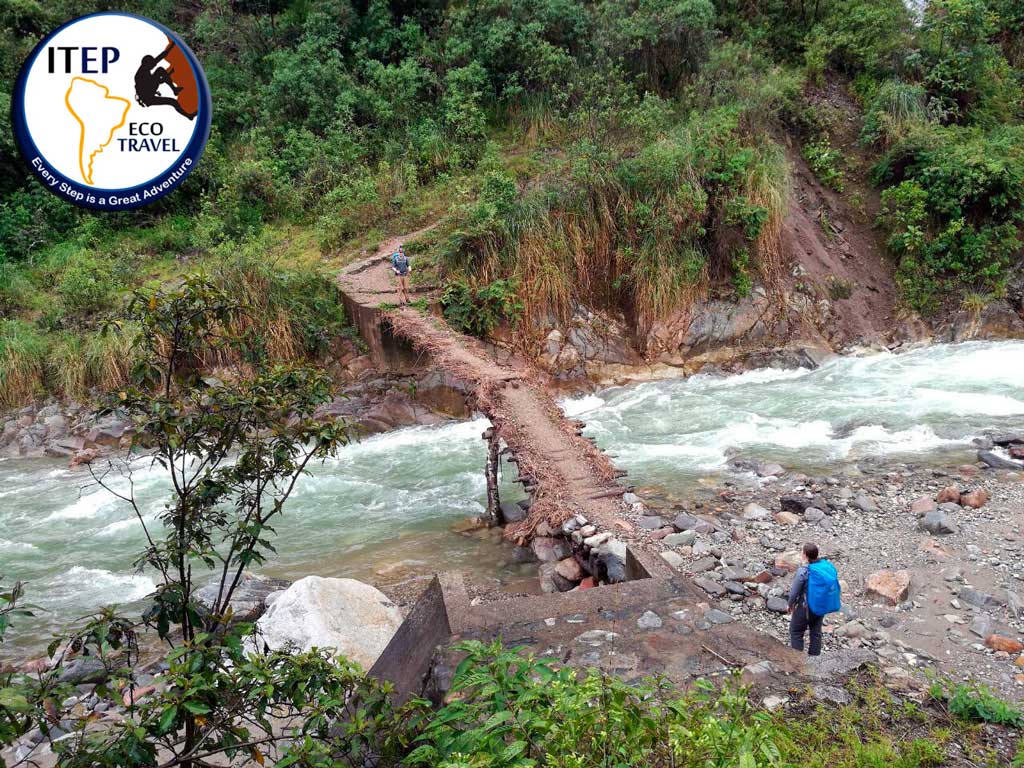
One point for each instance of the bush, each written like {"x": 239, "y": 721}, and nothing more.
{"x": 478, "y": 312}
{"x": 975, "y": 702}
{"x": 826, "y": 162}
{"x": 954, "y": 210}
{"x": 88, "y": 284}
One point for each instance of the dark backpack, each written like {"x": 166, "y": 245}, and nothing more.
{"x": 823, "y": 593}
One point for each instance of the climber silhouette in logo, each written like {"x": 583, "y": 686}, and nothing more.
{"x": 148, "y": 79}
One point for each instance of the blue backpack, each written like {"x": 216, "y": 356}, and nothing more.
{"x": 822, "y": 588}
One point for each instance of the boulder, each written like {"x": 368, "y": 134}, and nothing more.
{"x": 248, "y": 601}
{"x": 789, "y": 560}
{"x": 975, "y": 499}
{"x": 570, "y": 569}
{"x": 684, "y": 539}
{"x": 996, "y": 461}
{"x": 787, "y": 518}
{"x": 777, "y": 605}
{"x": 813, "y": 515}
{"x": 794, "y": 503}
{"x": 891, "y": 586}
{"x": 938, "y": 523}
{"x": 948, "y": 494}
{"x": 923, "y": 506}
{"x": 353, "y": 618}
{"x": 755, "y": 511}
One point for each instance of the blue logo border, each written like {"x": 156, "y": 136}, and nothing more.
{"x": 186, "y": 161}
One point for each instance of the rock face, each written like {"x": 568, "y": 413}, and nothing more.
{"x": 353, "y": 618}
{"x": 891, "y": 586}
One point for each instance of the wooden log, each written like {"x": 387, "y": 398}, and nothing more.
{"x": 493, "y": 502}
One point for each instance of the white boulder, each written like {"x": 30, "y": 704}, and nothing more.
{"x": 352, "y": 618}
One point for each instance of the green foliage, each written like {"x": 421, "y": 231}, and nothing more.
{"x": 478, "y": 312}
{"x": 954, "y": 210}
{"x": 14, "y": 698}
{"x": 826, "y": 162}
{"x": 88, "y": 284}
{"x": 893, "y": 112}
{"x": 975, "y": 702}
{"x": 515, "y": 710}
{"x": 22, "y": 359}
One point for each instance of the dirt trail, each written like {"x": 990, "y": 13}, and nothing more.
{"x": 571, "y": 475}
{"x": 372, "y": 282}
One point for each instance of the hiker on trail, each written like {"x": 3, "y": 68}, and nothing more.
{"x": 814, "y": 594}
{"x": 400, "y": 266}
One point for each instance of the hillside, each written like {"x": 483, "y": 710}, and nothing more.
{"x": 655, "y": 163}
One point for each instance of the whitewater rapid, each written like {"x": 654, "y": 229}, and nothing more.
{"x": 929, "y": 402}
{"x": 382, "y": 510}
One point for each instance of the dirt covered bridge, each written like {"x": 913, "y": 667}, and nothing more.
{"x": 564, "y": 472}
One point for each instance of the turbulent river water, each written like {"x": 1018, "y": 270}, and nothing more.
{"x": 383, "y": 509}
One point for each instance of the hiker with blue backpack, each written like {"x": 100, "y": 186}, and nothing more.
{"x": 815, "y": 594}
{"x": 401, "y": 267}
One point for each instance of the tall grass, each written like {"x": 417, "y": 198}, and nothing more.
{"x": 893, "y": 112}
{"x": 22, "y": 360}
{"x": 645, "y": 233}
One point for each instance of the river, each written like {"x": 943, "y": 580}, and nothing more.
{"x": 383, "y": 509}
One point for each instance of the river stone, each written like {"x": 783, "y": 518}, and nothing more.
{"x": 651, "y": 522}
{"x": 612, "y": 555}
{"x": 813, "y": 515}
{"x": 549, "y": 550}
{"x": 794, "y": 503}
{"x": 353, "y": 618}
{"x": 777, "y": 605}
{"x": 711, "y": 587}
{"x": 674, "y": 559}
{"x": 754, "y": 511}
{"x": 923, "y": 506}
{"x": 937, "y": 523}
{"x": 865, "y": 503}
{"x": 84, "y": 669}
{"x": 996, "y": 461}
{"x": 649, "y": 620}
{"x": 511, "y": 513}
{"x": 891, "y": 586}
{"x": 248, "y": 601}
{"x": 685, "y": 522}
{"x": 684, "y": 539}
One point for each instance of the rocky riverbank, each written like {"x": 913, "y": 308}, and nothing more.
{"x": 931, "y": 559}
{"x": 372, "y": 403}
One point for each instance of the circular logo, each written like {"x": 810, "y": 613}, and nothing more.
{"x": 111, "y": 111}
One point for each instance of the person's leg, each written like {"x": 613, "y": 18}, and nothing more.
{"x": 797, "y": 627}
{"x": 403, "y": 288}
{"x": 814, "y": 624}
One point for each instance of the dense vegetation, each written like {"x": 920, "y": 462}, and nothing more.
{"x": 625, "y": 154}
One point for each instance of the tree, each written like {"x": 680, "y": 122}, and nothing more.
{"x": 233, "y": 450}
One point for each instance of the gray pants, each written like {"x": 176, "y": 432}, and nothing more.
{"x": 800, "y": 621}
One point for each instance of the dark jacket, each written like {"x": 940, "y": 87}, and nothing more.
{"x": 798, "y": 590}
